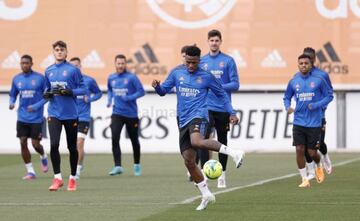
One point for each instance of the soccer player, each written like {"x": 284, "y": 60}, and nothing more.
{"x": 311, "y": 94}
{"x": 93, "y": 93}
{"x": 124, "y": 88}
{"x": 30, "y": 86}
{"x": 323, "y": 147}
{"x": 192, "y": 86}
{"x": 223, "y": 67}
{"x": 63, "y": 82}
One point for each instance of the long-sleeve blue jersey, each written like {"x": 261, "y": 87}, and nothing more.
{"x": 67, "y": 76}
{"x": 192, "y": 90}
{"x": 124, "y": 88}
{"x": 30, "y": 88}
{"x": 307, "y": 89}
{"x": 93, "y": 93}
{"x": 318, "y": 72}
{"x": 223, "y": 67}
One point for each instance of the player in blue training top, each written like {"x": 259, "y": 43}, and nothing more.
{"x": 30, "y": 86}
{"x": 124, "y": 88}
{"x": 63, "y": 82}
{"x": 93, "y": 93}
{"x": 310, "y": 165}
{"x": 312, "y": 95}
{"x": 192, "y": 86}
{"x": 223, "y": 67}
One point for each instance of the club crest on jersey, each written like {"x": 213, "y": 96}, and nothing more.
{"x": 297, "y": 86}
{"x": 199, "y": 80}
{"x": 312, "y": 84}
{"x": 113, "y": 82}
{"x": 51, "y": 74}
{"x": 19, "y": 84}
{"x": 65, "y": 73}
{"x": 205, "y": 66}
{"x": 33, "y": 82}
{"x": 181, "y": 79}
{"x": 221, "y": 64}
{"x": 126, "y": 81}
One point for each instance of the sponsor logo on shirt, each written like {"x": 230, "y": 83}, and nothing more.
{"x": 27, "y": 93}
{"x": 188, "y": 92}
{"x": 120, "y": 91}
{"x": 305, "y": 96}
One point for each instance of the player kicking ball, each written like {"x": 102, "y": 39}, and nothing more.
{"x": 192, "y": 87}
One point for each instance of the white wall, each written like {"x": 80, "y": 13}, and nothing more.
{"x": 353, "y": 121}
{"x": 159, "y": 131}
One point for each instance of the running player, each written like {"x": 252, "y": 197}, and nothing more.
{"x": 124, "y": 88}
{"x": 323, "y": 147}
{"x": 192, "y": 86}
{"x": 311, "y": 94}
{"x": 30, "y": 86}
{"x": 223, "y": 67}
{"x": 63, "y": 82}
{"x": 84, "y": 110}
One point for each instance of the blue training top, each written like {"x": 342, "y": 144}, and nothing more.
{"x": 223, "y": 67}
{"x": 30, "y": 87}
{"x": 307, "y": 89}
{"x": 68, "y": 76}
{"x": 93, "y": 93}
{"x": 124, "y": 88}
{"x": 192, "y": 90}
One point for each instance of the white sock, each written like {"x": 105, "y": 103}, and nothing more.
{"x": 30, "y": 168}
{"x": 203, "y": 188}
{"x": 43, "y": 156}
{"x": 223, "y": 175}
{"x": 58, "y": 176}
{"x": 303, "y": 173}
{"x": 227, "y": 150}
{"x": 311, "y": 167}
{"x": 72, "y": 177}
{"x": 78, "y": 169}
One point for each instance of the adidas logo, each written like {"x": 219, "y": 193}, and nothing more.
{"x": 12, "y": 61}
{"x": 146, "y": 62}
{"x": 49, "y": 60}
{"x": 332, "y": 65}
{"x": 273, "y": 60}
{"x": 92, "y": 60}
{"x": 240, "y": 62}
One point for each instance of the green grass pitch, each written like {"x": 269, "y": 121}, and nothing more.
{"x": 159, "y": 193}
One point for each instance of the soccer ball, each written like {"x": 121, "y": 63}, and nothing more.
{"x": 212, "y": 169}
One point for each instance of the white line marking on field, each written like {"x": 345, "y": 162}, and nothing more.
{"x": 77, "y": 204}
{"x": 261, "y": 182}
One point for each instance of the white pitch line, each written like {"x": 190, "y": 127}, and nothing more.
{"x": 258, "y": 183}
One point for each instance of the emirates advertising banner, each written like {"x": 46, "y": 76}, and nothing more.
{"x": 264, "y": 37}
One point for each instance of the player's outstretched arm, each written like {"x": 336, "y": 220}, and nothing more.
{"x": 166, "y": 87}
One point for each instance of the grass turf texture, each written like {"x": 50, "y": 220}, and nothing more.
{"x": 156, "y": 195}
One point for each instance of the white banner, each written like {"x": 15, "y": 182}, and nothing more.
{"x": 263, "y": 125}
{"x": 352, "y": 121}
